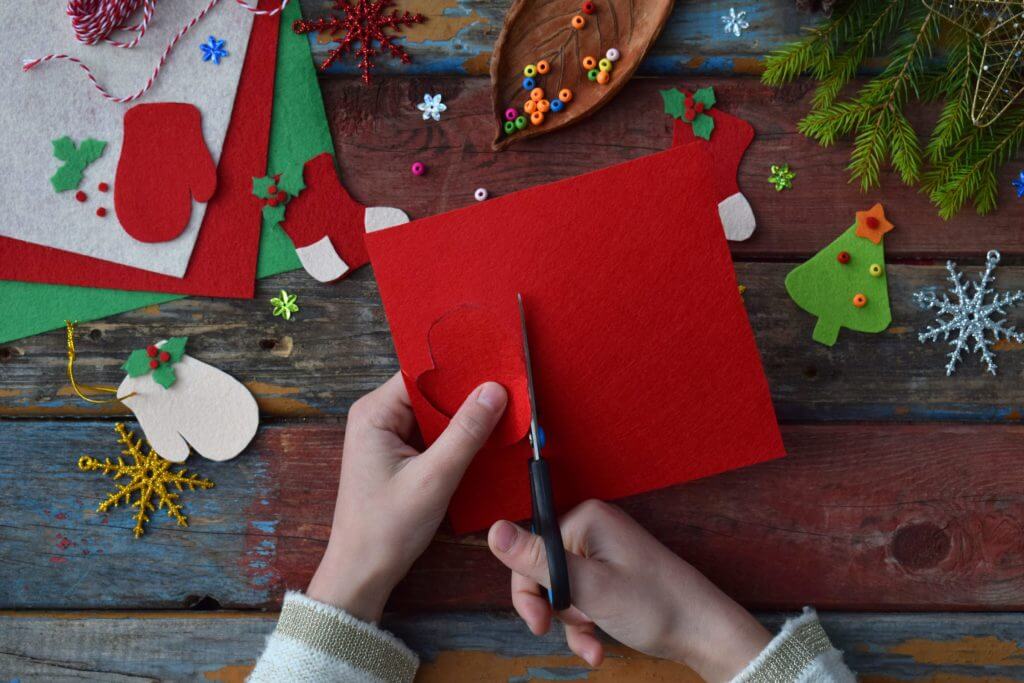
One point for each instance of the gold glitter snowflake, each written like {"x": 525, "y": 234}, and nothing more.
{"x": 150, "y": 477}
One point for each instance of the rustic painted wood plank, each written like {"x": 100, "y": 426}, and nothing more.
{"x": 339, "y": 347}
{"x": 458, "y": 37}
{"x": 857, "y": 517}
{"x": 66, "y": 647}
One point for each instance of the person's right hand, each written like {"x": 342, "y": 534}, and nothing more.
{"x": 632, "y": 587}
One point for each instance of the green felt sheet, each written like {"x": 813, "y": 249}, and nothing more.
{"x": 299, "y": 131}
{"x": 825, "y": 287}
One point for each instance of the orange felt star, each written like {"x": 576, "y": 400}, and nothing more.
{"x": 872, "y": 224}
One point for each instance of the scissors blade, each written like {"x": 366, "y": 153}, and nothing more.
{"x": 534, "y": 427}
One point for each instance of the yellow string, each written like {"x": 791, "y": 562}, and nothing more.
{"x": 79, "y": 387}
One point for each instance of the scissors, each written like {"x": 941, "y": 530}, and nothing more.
{"x": 545, "y": 521}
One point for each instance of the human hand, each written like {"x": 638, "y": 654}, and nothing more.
{"x": 632, "y": 587}
{"x": 392, "y": 498}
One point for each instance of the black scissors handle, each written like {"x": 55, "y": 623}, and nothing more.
{"x": 545, "y": 524}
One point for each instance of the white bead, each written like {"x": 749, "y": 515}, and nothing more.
{"x": 480, "y": 194}
{"x": 612, "y": 55}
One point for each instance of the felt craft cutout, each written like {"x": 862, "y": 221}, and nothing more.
{"x": 692, "y": 109}
{"x": 49, "y": 102}
{"x": 615, "y": 36}
{"x": 277, "y": 190}
{"x": 646, "y": 369}
{"x": 75, "y": 159}
{"x": 327, "y": 225}
{"x": 227, "y": 247}
{"x": 164, "y": 165}
{"x": 845, "y": 283}
{"x": 469, "y": 346}
{"x": 204, "y": 407}
{"x": 159, "y": 361}
{"x": 732, "y": 136}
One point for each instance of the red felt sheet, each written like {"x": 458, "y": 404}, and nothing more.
{"x": 223, "y": 262}
{"x": 645, "y": 365}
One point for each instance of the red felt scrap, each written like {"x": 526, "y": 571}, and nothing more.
{"x": 164, "y": 164}
{"x": 469, "y": 346}
{"x": 325, "y": 208}
{"x": 223, "y": 262}
{"x": 729, "y": 141}
{"x": 644, "y": 362}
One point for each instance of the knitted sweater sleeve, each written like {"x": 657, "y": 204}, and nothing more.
{"x": 317, "y": 642}
{"x": 800, "y": 653}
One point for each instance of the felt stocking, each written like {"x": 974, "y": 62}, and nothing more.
{"x": 326, "y": 225}
{"x": 729, "y": 140}
{"x": 164, "y": 164}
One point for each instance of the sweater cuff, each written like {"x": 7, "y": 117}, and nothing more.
{"x": 800, "y": 652}
{"x": 327, "y": 643}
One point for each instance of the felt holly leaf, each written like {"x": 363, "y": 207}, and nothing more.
{"x": 69, "y": 175}
{"x": 538, "y": 30}
{"x": 675, "y": 102}
{"x": 176, "y": 347}
{"x": 261, "y": 186}
{"x": 273, "y": 215}
{"x": 291, "y": 180}
{"x": 90, "y": 150}
{"x": 64, "y": 148}
{"x": 702, "y": 126}
{"x": 164, "y": 375}
{"x": 137, "y": 363}
{"x": 705, "y": 96}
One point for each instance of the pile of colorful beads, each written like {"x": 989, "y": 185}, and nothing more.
{"x": 601, "y": 70}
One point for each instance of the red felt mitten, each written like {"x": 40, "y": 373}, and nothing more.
{"x": 729, "y": 140}
{"x": 326, "y": 225}
{"x": 164, "y": 164}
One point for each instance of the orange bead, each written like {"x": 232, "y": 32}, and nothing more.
{"x": 589, "y": 63}
{"x": 543, "y": 67}
{"x": 537, "y": 94}
{"x": 603, "y": 77}
{"x": 578, "y": 22}
{"x": 529, "y": 106}
{"x": 860, "y": 301}
{"x": 543, "y": 106}
{"x": 565, "y": 94}
{"x": 536, "y": 118}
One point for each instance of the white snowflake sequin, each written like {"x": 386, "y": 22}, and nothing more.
{"x": 970, "y": 317}
{"x": 735, "y": 22}
{"x": 432, "y": 107}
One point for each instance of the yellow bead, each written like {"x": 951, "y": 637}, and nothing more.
{"x": 875, "y": 270}
{"x": 605, "y": 65}
{"x": 543, "y": 67}
{"x": 530, "y": 71}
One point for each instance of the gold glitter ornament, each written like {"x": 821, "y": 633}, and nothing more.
{"x": 999, "y": 77}
{"x": 150, "y": 477}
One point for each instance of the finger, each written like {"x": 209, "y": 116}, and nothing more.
{"x": 530, "y": 605}
{"x": 468, "y": 430}
{"x": 582, "y": 640}
{"x": 386, "y": 408}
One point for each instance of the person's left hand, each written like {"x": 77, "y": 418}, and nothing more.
{"x": 392, "y": 498}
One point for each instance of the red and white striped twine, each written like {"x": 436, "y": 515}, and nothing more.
{"x": 93, "y": 21}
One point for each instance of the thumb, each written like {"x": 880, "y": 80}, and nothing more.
{"x": 523, "y": 553}
{"x": 469, "y": 429}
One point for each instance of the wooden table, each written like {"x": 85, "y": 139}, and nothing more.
{"x": 899, "y": 511}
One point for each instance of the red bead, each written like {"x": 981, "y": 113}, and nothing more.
{"x": 272, "y": 189}
{"x": 872, "y": 222}
{"x": 154, "y": 364}
{"x": 699, "y": 107}
{"x": 843, "y": 257}
{"x": 164, "y": 356}
{"x": 151, "y": 351}
{"x": 101, "y": 212}
{"x": 589, "y": 8}
{"x": 81, "y": 196}
{"x": 103, "y": 187}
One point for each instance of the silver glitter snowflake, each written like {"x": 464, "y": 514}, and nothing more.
{"x": 432, "y": 107}
{"x": 735, "y": 22}
{"x": 970, "y": 317}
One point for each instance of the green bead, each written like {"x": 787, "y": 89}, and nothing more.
{"x": 592, "y": 75}
{"x": 510, "y": 127}
{"x": 605, "y": 65}
{"x": 520, "y": 122}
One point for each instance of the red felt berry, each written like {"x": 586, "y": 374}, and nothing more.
{"x": 689, "y": 114}
{"x": 154, "y": 364}
{"x": 273, "y": 201}
{"x": 164, "y": 356}
{"x": 103, "y": 187}
{"x": 688, "y": 100}
{"x": 101, "y": 212}
{"x": 151, "y": 351}
{"x": 282, "y": 196}
{"x": 81, "y": 196}
{"x": 872, "y": 222}
{"x": 843, "y": 257}
{"x": 699, "y": 107}
{"x": 272, "y": 189}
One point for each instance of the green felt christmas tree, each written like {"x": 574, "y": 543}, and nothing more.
{"x": 844, "y": 284}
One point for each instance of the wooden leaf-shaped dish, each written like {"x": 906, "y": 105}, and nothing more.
{"x": 543, "y": 30}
